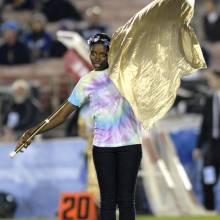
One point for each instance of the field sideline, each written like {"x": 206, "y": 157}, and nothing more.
{"x": 146, "y": 218}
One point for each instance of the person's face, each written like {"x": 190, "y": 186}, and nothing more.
{"x": 10, "y": 36}
{"x": 20, "y": 95}
{"x": 37, "y": 26}
{"x": 94, "y": 19}
{"x": 213, "y": 81}
{"x": 209, "y": 6}
{"x": 99, "y": 57}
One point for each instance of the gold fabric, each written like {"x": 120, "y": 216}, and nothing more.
{"x": 150, "y": 53}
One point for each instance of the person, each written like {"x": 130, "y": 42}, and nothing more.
{"x": 117, "y": 89}
{"x": 94, "y": 23}
{"x": 116, "y": 142}
{"x": 38, "y": 39}
{"x": 21, "y": 110}
{"x": 13, "y": 51}
{"x": 211, "y": 21}
{"x": 56, "y": 10}
{"x": 209, "y": 140}
{"x": 211, "y": 44}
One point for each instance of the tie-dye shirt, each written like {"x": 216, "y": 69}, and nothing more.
{"x": 114, "y": 122}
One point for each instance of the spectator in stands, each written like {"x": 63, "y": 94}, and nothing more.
{"x": 20, "y": 4}
{"x": 56, "y": 10}
{"x": 21, "y": 111}
{"x": 209, "y": 141}
{"x": 38, "y": 39}
{"x": 211, "y": 24}
{"x": 13, "y": 51}
{"x": 94, "y": 25}
{"x": 211, "y": 21}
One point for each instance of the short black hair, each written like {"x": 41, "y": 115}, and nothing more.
{"x": 102, "y": 38}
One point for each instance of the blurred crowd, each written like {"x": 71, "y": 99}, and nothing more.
{"x": 34, "y": 40}
{"x": 30, "y": 41}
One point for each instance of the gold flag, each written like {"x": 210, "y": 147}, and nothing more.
{"x": 149, "y": 55}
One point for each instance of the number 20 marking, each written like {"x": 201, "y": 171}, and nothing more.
{"x": 81, "y": 213}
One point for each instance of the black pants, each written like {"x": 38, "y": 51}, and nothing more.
{"x": 211, "y": 158}
{"x": 117, "y": 169}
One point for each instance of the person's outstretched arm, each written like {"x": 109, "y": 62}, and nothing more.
{"x": 58, "y": 119}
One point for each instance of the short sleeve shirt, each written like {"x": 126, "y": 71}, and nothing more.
{"x": 114, "y": 122}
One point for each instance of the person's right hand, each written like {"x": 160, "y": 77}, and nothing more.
{"x": 196, "y": 154}
{"x": 24, "y": 139}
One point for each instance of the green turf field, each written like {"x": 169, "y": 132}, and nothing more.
{"x": 148, "y": 218}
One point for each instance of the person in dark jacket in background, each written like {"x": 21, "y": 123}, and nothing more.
{"x": 13, "y": 51}
{"x": 56, "y": 10}
{"x": 38, "y": 39}
{"x": 209, "y": 141}
{"x": 22, "y": 110}
{"x": 211, "y": 22}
